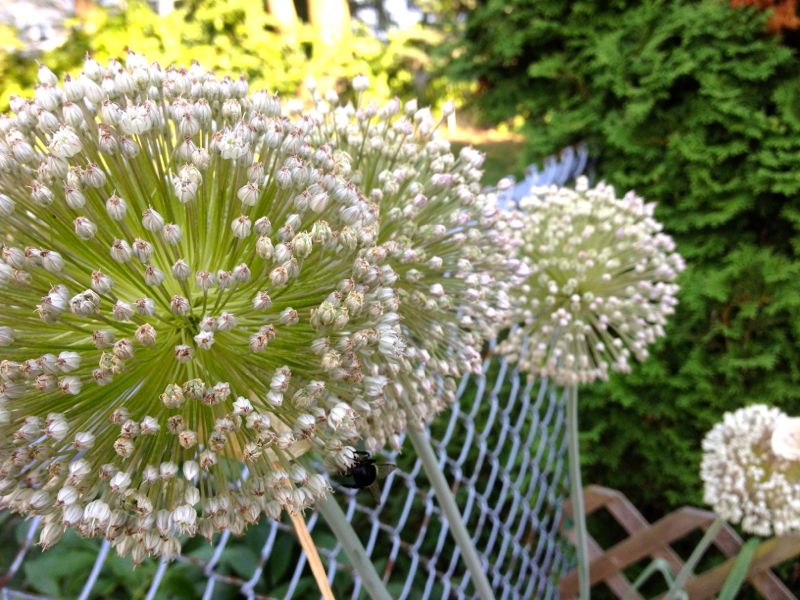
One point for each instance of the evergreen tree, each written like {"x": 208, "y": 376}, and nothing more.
{"x": 696, "y": 107}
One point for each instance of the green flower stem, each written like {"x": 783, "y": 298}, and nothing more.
{"x": 352, "y": 546}
{"x": 576, "y": 489}
{"x": 697, "y": 554}
{"x": 450, "y": 509}
{"x": 659, "y": 565}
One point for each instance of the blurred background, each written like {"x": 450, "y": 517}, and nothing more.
{"x": 694, "y": 104}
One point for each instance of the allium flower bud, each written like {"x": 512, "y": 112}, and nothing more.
{"x": 177, "y": 320}
{"x": 360, "y": 83}
{"x": 600, "y": 283}
{"x": 785, "y": 441}
{"x": 84, "y": 228}
{"x": 151, "y": 220}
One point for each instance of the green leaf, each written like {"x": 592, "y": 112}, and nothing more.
{"x": 739, "y": 571}
{"x": 281, "y": 558}
{"x": 241, "y": 559}
{"x": 51, "y": 571}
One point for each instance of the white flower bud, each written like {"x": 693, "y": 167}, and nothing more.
{"x": 149, "y": 426}
{"x": 101, "y": 283}
{"x": 145, "y": 307}
{"x": 121, "y": 251}
{"x": 181, "y": 270}
{"x": 84, "y": 228}
{"x": 151, "y": 220}
{"x": 85, "y": 303}
{"x": 65, "y": 143}
{"x": 204, "y": 339}
{"x": 153, "y": 276}
{"x": 785, "y": 440}
{"x": 142, "y": 250}
{"x": 68, "y": 361}
{"x": 248, "y": 194}
{"x": 67, "y": 495}
{"x": 52, "y": 261}
{"x": 7, "y": 206}
{"x": 264, "y": 247}
{"x": 205, "y": 280}
{"x": 146, "y": 334}
{"x": 96, "y": 511}
{"x": 70, "y": 385}
{"x": 6, "y": 336}
{"x": 122, "y": 311}
{"x": 241, "y": 227}
{"x": 242, "y": 406}
{"x": 120, "y": 481}
{"x": 171, "y": 233}
{"x": 183, "y": 353}
{"x": 179, "y": 305}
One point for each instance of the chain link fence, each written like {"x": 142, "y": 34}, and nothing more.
{"x": 501, "y": 446}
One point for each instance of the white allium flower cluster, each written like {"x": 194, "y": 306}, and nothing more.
{"x": 600, "y": 286}
{"x": 446, "y": 240}
{"x": 746, "y": 482}
{"x": 187, "y": 286}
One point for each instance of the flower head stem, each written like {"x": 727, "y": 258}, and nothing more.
{"x": 676, "y": 589}
{"x": 353, "y": 548}
{"x": 455, "y": 522}
{"x": 576, "y": 493}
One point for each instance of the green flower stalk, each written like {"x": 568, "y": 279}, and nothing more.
{"x": 187, "y": 287}
{"x": 444, "y": 237}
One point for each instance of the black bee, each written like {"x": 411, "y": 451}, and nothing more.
{"x": 365, "y": 473}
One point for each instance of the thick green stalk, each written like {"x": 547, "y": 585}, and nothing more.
{"x": 576, "y": 488}
{"x": 697, "y": 554}
{"x": 351, "y": 545}
{"x": 450, "y": 510}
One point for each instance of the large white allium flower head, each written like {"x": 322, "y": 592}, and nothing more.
{"x": 445, "y": 240}
{"x": 600, "y": 283}
{"x": 187, "y": 287}
{"x": 745, "y": 481}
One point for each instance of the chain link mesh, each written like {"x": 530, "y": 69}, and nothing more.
{"x": 501, "y": 446}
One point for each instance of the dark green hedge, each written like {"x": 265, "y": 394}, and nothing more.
{"x": 697, "y": 107}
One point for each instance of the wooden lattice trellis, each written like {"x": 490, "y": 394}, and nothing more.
{"x": 654, "y": 541}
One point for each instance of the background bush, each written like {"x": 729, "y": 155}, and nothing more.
{"x": 696, "y": 107}
{"x": 233, "y": 37}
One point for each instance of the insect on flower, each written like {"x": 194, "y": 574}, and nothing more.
{"x": 365, "y": 472}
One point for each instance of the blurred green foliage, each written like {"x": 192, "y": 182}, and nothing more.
{"x": 233, "y": 37}
{"x": 696, "y": 107}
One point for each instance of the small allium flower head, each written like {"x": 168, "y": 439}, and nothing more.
{"x": 746, "y": 481}
{"x": 444, "y": 247}
{"x": 600, "y": 283}
{"x": 154, "y": 286}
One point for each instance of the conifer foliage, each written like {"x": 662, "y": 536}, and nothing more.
{"x": 696, "y": 107}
